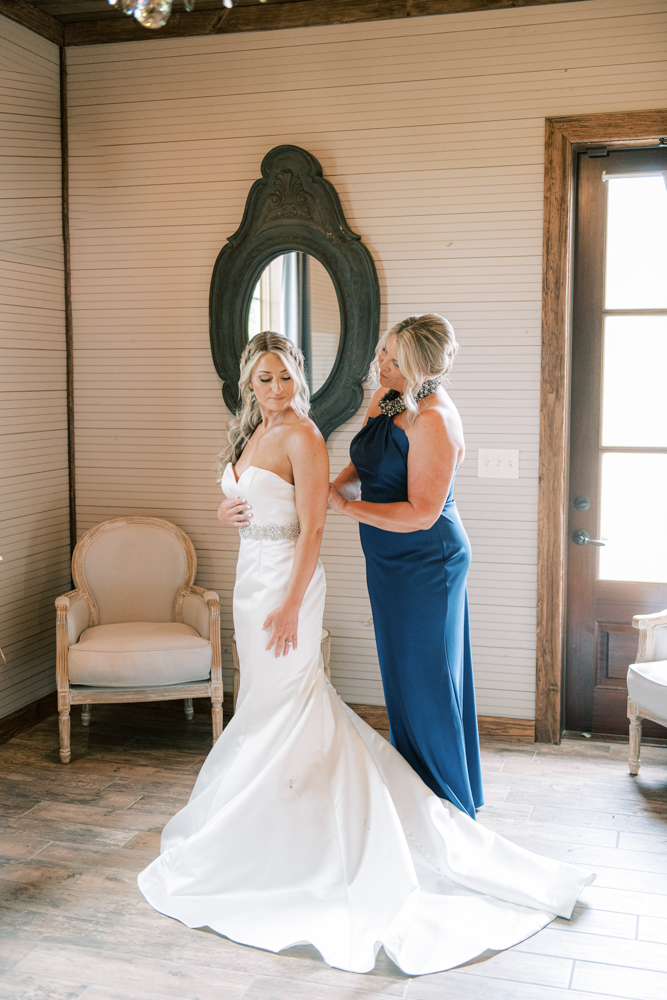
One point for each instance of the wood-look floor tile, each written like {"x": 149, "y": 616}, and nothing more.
{"x": 587, "y": 921}
{"x": 112, "y": 819}
{"x": 82, "y": 833}
{"x": 573, "y": 798}
{"x": 457, "y": 986}
{"x": 619, "y": 878}
{"x": 653, "y": 929}
{"x": 107, "y": 883}
{"x": 145, "y": 842}
{"x": 39, "y": 987}
{"x": 35, "y": 873}
{"x": 622, "y": 821}
{"x": 301, "y": 964}
{"x": 655, "y": 842}
{"x": 164, "y": 939}
{"x": 636, "y": 984}
{"x": 63, "y": 898}
{"x": 162, "y": 805}
{"x": 597, "y": 948}
{"x": 115, "y": 993}
{"x": 549, "y": 831}
{"x": 12, "y": 950}
{"x": 273, "y": 988}
{"x": 113, "y": 858}
{"x": 595, "y": 857}
{"x": 169, "y": 759}
{"x": 175, "y": 979}
{"x": 15, "y": 846}
{"x": 650, "y": 904}
{"x": 505, "y": 810}
{"x": 542, "y": 970}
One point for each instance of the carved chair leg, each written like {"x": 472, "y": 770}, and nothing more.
{"x": 64, "y": 726}
{"x": 189, "y": 709}
{"x": 635, "y": 744}
{"x": 216, "y": 714}
{"x": 85, "y": 715}
{"x": 237, "y": 682}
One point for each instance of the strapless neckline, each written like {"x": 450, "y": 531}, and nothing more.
{"x": 257, "y": 468}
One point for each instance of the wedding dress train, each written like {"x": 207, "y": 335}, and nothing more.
{"x": 306, "y": 826}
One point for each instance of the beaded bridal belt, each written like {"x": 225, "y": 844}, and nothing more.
{"x": 271, "y": 532}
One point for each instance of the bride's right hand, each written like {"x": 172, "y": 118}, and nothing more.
{"x": 235, "y": 512}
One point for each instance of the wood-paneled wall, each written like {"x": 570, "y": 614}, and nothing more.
{"x": 34, "y": 493}
{"x": 432, "y": 130}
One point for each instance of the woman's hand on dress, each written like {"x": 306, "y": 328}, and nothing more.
{"x": 336, "y": 501}
{"x": 283, "y": 623}
{"x": 235, "y": 512}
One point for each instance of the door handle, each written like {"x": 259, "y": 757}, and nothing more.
{"x": 583, "y": 538}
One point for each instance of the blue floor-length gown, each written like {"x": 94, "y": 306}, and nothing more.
{"x": 417, "y": 587}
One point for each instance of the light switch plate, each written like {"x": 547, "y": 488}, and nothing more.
{"x": 498, "y": 463}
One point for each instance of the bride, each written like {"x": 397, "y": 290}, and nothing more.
{"x": 305, "y": 825}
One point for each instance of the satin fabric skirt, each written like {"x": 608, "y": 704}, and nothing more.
{"x": 306, "y": 826}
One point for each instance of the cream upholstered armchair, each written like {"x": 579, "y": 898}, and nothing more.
{"x": 135, "y": 628}
{"x": 647, "y": 680}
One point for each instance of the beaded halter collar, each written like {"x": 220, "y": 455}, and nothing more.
{"x": 393, "y": 402}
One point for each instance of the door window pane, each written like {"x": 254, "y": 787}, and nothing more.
{"x": 636, "y": 275}
{"x": 634, "y": 393}
{"x": 633, "y": 518}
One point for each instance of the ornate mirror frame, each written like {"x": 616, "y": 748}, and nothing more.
{"x": 292, "y": 208}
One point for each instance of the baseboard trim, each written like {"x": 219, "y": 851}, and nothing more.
{"x": 516, "y": 730}
{"x": 28, "y": 716}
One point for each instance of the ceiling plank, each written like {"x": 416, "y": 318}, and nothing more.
{"x": 277, "y": 15}
{"x": 30, "y": 17}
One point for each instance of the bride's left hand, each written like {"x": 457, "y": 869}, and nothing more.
{"x": 336, "y": 501}
{"x": 283, "y": 623}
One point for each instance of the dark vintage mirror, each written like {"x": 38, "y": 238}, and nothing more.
{"x": 294, "y": 266}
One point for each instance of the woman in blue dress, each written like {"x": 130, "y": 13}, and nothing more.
{"x": 399, "y": 487}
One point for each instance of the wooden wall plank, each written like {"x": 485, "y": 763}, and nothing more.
{"x": 34, "y": 521}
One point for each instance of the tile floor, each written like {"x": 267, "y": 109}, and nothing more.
{"x": 73, "y": 838}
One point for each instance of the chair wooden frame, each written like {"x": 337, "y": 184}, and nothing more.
{"x": 69, "y": 695}
{"x": 645, "y": 624}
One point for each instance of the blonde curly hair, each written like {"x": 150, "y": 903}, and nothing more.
{"x": 426, "y": 346}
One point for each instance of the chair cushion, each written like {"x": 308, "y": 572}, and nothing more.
{"x": 647, "y": 686}
{"x": 139, "y": 654}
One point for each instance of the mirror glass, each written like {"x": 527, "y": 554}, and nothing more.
{"x": 295, "y": 297}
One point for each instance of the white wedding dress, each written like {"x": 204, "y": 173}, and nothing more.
{"x": 306, "y": 826}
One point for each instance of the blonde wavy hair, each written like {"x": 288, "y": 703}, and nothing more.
{"x": 249, "y": 417}
{"x": 426, "y": 346}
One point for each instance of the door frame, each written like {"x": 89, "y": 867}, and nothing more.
{"x": 620, "y": 128}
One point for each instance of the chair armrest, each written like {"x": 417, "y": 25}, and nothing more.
{"x": 646, "y": 625}
{"x": 72, "y": 618}
{"x": 72, "y": 610}
{"x": 196, "y": 612}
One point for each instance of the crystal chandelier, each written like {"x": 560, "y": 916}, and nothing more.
{"x": 155, "y": 13}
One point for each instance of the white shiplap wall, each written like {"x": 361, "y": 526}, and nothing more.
{"x": 34, "y": 497}
{"x": 432, "y": 131}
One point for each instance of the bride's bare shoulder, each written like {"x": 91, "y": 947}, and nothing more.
{"x": 304, "y": 433}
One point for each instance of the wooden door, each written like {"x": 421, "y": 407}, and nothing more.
{"x": 618, "y": 429}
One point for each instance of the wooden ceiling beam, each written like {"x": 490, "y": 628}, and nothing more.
{"x": 260, "y": 17}
{"x": 31, "y": 17}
